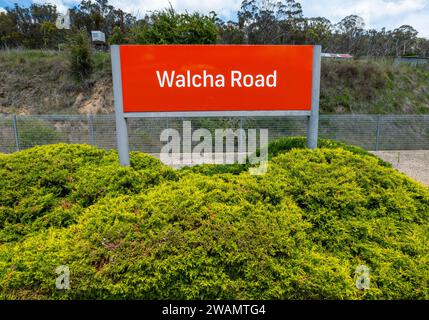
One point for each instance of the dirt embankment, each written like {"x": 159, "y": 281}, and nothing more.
{"x": 100, "y": 100}
{"x": 37, "y": 82}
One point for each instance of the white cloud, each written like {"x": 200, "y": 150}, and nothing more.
{"x": 374, "y": 10}
{"x": 2, "y": 10}
{"x": 62, "y": 5}
{"x": 376, "y": 13}
{"x": 419, "y": 21}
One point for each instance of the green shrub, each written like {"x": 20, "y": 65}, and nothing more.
{"x": 282, "y": 145}
{"x": 170, "y": 27}
{"x": 213, "y": 169}
{"x": 286, "y": 144}
{"x": 146, "y": 232}
{"x": 196, "y": 238}
{"x": 50, "y": 185}
{"x": 117, "y": 37}
{"x": 80, "y": 56}
{"x": 362, "y": 212}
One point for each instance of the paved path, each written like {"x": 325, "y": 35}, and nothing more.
{"x": 414, "y": 163}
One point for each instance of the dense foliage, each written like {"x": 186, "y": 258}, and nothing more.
{"x": 80, "y": 56}
{"x": 257, "y": 22}
{"x": 298, "y": 232}
{"x": 49, "y": 186}
{"x": 170, "y": 27}
{"x": 276, "y": 148}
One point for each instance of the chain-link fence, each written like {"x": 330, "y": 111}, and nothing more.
{"x": 372, "y": 132}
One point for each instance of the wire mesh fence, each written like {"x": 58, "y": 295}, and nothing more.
{"x": 371, "y": 132}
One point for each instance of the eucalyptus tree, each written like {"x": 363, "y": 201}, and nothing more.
{"x": 349, "y": 32}
{"x": 270, "y": 21}
{"x": 405, "y": 40}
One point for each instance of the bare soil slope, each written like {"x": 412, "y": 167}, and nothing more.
{"x": 38, "y": 82}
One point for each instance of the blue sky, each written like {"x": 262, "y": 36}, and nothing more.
{"x": 377, "y": 13}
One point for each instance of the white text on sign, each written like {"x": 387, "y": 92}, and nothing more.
{"x": 237, "y": 79}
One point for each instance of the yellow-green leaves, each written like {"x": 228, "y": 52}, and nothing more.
{"x": 212, "y": 232}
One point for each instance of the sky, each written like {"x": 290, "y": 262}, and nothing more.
{"x": 376, "y": 13}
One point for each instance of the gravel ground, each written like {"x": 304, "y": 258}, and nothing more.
{"x": 414, "y": 163}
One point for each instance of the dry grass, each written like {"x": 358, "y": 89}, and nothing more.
{"x": 39, "y": 82}
{"x": 376, "y": 87}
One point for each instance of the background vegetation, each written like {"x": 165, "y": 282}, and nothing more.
{"x": 41, "y": 82}
{"x": 76, "y": 79}
{"x": 257, "y": 22}
{"x": 298, "y": 232}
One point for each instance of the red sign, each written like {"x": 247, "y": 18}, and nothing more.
{"x": 167, "y": 78}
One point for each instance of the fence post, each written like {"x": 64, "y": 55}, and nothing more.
{"x": 15, "y": 130}
{"x": 91, "y": 130}
{"x": 241, "y": 135}
{"x": 377, "y": 137}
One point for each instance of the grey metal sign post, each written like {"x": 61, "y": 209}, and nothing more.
{"x": 121, "y": 117}
{"x": 121, "y": 121}
{"x": 313, "y": 121}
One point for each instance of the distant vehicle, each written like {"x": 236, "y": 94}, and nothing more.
{"x": 98, "y": 37}
{"x": 337, "y": 56}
